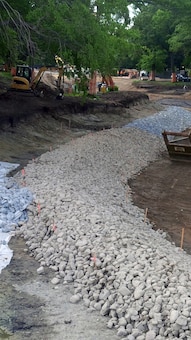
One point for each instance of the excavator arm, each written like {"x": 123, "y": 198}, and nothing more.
{"x": 23, "y": 79}
{"x": 34, "y": 83}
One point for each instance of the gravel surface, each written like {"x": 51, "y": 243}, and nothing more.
{"x": 172, "y": 118}
{"x": 84, "y": 226}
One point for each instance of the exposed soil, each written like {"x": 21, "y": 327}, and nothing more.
{"x": 164, "y": 189}
{"x": 30, "y": 126}
{"x": 32, "y": 308}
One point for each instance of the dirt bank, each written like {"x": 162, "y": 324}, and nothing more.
{"x": 32, "y": 125}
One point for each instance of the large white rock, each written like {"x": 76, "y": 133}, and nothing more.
{"x": 173, "y": 316}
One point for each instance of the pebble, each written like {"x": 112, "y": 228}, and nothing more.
{"x": 182, "y": 320}
{"x": 91, "y": 235}
{"x": 55, "y": 281}
{"x": 75, "y": 298}
{"x": 40, "y": 270}
{"x": 139, "y": 291}
{"x": 173, "y": 316}
{"x": 151, "y": 335}
{"x": 121, "y": 331}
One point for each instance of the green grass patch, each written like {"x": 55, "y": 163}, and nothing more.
{"x": 163, "y": 84}
{"x": 5, "y": 75}
{"x": 5, "y": 80}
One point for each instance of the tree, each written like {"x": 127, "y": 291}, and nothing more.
{"x": 80, "y": 34}
{"x": 15, "y": 31}
{"x": 180, "y": 39}
{"x": 165, "y": 25}
{"x": 35, "y": 31}
{"x": 155, "y": 23}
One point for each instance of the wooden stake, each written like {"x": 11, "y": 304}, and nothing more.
{"x": 23, "y": 172}
{"x": 127, "y": 195}
{"x": 173, "y": 184}
{"x": 146, "y": 212}
{"x": 182, "y": 239}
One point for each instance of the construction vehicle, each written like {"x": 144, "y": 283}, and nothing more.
{"x": 25, "y": 79}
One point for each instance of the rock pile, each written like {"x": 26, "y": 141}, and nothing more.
{"x": 83, "y": 225}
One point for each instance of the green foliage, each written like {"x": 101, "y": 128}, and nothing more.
{"x": 5, "y": 75}
{"x": 162, "y": 85}
{"x": 36, "y": 30}
{"x": 153, "y": 60}
{"x": 113, "y": 88}
{"x": 165, "y": 25}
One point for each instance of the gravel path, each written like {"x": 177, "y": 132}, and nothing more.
{"x": 83, "y": 225}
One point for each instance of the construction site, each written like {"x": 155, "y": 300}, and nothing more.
{"x": 35, "y": 125}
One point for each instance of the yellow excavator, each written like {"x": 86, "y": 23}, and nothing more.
{"x": 25, "y": 80}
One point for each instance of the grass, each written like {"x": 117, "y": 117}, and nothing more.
{"x": 161, "y": 84}
{"x": 5, "y": 75}
{"x": 5, "y": 80}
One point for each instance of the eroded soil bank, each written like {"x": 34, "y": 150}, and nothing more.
{"x": 31, "y": 125}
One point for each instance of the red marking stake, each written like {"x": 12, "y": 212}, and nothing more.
{"x": 54, "y": 227}
{"x": 23, "y": 175}
{"x": 39, "y": 208}
{"x": 23, "y": 172}
{"x": 93, "y": 258}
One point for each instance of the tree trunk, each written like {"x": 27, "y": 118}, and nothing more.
{"x": 92, "y": 84}
{"x": 173, "y": 77}
{"x": 152, "y": 75}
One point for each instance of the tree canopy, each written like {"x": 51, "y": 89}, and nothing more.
{"x": 97, "y": 34}
{"x": 164, "y": 27}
